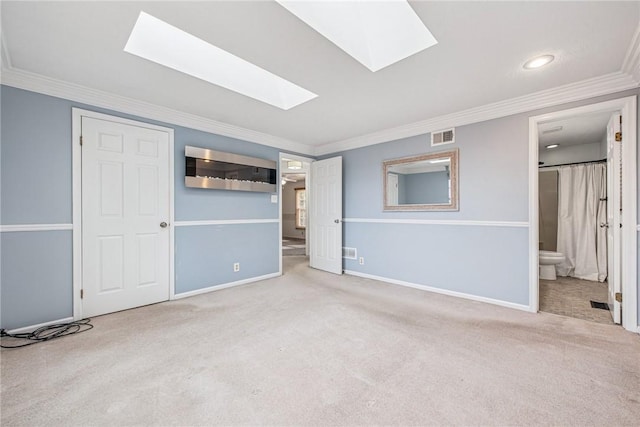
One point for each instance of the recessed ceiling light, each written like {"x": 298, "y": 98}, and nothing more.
{"x": 375, "y": 33}
{"x": 167, "y": 45}
{"x": 552, "y": 146}
{"x": 538, "y": 62}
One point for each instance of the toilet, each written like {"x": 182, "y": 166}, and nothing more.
{"x": 548, "y": 261}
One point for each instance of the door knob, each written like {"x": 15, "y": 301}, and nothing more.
{"x": 604, "y": 225}
{"x": 337, "y": 221}
{"x": 163, "y": 224}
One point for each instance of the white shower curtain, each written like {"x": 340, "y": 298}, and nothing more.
{"x": 580, "y": 212}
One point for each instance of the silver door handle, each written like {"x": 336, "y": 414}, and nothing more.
{"x": 337, "y": 221}
{"x": 163, "y": 224}
{"x": 604, "y": 225}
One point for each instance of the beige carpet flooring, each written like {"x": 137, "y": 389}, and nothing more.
{"x": 569, "y": 296}
{"x": 311, "y": 348}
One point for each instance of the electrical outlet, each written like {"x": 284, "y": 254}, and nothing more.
{"x": 361, "y": 260}
{"x": 236, "y": 267}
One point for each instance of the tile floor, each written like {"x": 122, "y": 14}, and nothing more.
{"x": 571, "y": 297}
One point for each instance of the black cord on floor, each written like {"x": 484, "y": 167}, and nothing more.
{"x": 45, "y": 333}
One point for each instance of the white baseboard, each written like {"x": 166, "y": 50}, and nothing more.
{"x": 440, "y": 291}
{"x": 34, "y": 327}
{"x": 224, "y": 286}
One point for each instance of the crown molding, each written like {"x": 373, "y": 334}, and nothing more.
{"x": 585, "y": 89}
{"x": 590, "y": 88}
{"x": 631, "y": 64}
{"x": 5, "y": 58}
{"x": 48, "y": 86}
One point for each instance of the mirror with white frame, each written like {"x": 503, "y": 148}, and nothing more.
{"x": 428, "y": 182}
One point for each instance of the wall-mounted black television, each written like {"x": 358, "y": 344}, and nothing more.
{"x": 227, "y": 171}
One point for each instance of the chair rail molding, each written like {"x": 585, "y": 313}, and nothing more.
{"x": 14, "y": 228}
{"x": 460, "y": 222}
{"x": 225, "y": 222}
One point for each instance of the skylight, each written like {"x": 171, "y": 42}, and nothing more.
{"x": 167, "y": 45}
{"x": 375, "y": 33}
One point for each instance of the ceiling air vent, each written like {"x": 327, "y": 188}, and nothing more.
{"x": 443, "y": 137}
{"x": 349, "y": 253}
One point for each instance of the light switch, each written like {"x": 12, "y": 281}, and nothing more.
{"x": 274, "y": 198}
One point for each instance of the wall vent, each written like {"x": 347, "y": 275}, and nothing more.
{"x": 442, "y": 137}
{"x": 349, "y": 253}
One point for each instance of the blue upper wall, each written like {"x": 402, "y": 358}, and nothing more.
{"x": 36, "y": 165}
{"x": 35, "y": 168}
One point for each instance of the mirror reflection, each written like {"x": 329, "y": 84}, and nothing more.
{"x": 426, "y": 182}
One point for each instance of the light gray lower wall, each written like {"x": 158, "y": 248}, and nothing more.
{"x": 208, "y": 252}
{"x": 36, "y": 277}
{"x": 485, "y": 261}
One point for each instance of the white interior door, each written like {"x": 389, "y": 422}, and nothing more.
{"x": 125, "y": 215}
{"x": 326, "y": 215}
{"x": 614, "y": 204}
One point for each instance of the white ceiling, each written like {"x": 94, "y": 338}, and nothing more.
{"x": 583, "y": 129}
{"x": 477, "y": 61}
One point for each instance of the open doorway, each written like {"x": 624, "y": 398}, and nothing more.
{"x": 572, "y": 194}
{"x": 583, "y": 188}
{"x": 294, "y": 214}
{"x": 323, "y": 210}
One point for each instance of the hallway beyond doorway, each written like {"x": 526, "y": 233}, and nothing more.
{"x": 293, "y": 247}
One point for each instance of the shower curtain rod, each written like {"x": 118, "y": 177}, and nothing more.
{"x": 574, "y": 163}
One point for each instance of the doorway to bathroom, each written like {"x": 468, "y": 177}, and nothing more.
{"x": 582, "y": 195}
{"x": 572, "y": 194}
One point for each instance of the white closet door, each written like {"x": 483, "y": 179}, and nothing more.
{"x": 125, "y": 215}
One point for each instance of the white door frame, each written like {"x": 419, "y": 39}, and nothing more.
{"x": 306, "y": 168}
{"x": 628, "y": 108}
{"x": 76, "y": 132}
